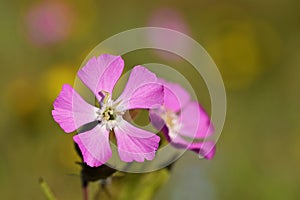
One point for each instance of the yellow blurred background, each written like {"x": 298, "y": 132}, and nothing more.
{"x": 254, "y": 43}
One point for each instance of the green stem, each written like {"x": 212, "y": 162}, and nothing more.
{"x": 46, "y": 189}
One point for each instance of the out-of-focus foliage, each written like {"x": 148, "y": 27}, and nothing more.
{"x": 255, "y": 45}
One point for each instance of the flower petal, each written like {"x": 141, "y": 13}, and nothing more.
{"x": 94, "y": 146}
{"x": 205, "y": 149}
{"x": 101, "y": 73}
{"x": 141, "y": 90}
{"x": 210, "y": 152}
{"x": 145, "y": 97}
{"x": 138, "y": 76}
{"x": 71, "y": 111}
{"x": 175, "y": 96}
{"x": 195, "y": 122}
{"x": 135, "y": 144}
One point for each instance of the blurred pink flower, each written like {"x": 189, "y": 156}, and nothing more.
{"x": 183, "y": 120}
{"x": 100, "y": 76}
{"x": 171, "y": 19}
{"x": 168, "y": 18}
{"x": 49, "y": 22}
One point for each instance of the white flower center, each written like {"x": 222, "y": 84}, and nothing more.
{"x": 172, "y": 122}
{"x": 109, "y": 113}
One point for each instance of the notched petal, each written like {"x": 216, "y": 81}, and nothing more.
{"x": 94, "y": 146}
{"x": 142, "y": 90}
{"x": 102, "y": 73}
{"x": 135, "y": 144}
{"x": 71, "y": 111}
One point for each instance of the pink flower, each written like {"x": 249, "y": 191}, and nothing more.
{"x": 168, "y": 18}
{"x": 100, "y": 76}
{"x": 173, "y": 19}
{"x": 183, "y": 121}
{"x": 49, "y": 22}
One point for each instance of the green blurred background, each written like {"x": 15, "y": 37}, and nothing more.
{"x": 254, "y": 43}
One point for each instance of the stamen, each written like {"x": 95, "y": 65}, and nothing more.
{"x": 109, "y": 113}
{"x": 105, "y": 96}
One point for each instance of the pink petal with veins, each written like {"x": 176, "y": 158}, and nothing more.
{"x": 94, "y": 146}
{"x": 71, "y": 111}
{"x": 141, "y": 90}
{"x": 135, "y": 144}
{"x": 102, "y": 73}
